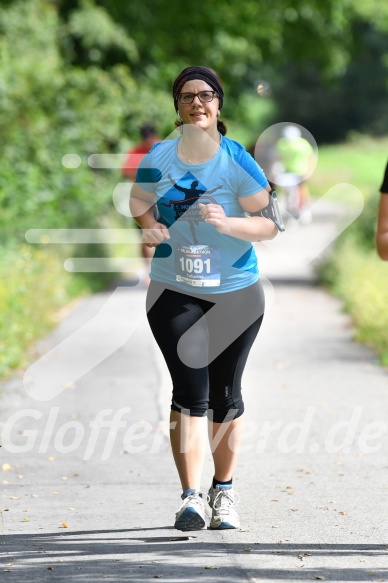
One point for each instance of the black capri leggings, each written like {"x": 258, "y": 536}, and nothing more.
{"x": 205, "y": 343}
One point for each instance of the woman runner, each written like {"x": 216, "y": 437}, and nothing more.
{"x": 205, "y": 302}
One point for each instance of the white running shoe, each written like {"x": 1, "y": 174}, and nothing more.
{"x": 223, "y": 501}
{"x": 191, "y": 513}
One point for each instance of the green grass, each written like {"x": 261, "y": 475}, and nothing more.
{"x": 33, "y": 288}
{"x": 361, "y": 162}
{"x": 360, "y": 279}
{"x": 354, "y": 272}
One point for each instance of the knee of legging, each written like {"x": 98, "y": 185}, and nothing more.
{"x": 189, "y": 402}
{"x": 225, "y": 415}
{"x": 225, "y": 405}
{"x": 192, "y": 410}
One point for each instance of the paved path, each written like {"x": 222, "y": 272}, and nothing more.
{"x": 89, "y": 486}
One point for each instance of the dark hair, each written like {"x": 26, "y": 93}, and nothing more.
{"x": 205, "y": 74}
{"x": 147, "y": 130}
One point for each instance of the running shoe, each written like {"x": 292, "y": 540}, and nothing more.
{"x": 223, "y": 500}
{"x": 191, "y": 513}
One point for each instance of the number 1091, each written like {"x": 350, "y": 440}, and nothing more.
{"x": 195, "y": 265}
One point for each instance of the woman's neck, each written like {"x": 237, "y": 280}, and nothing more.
{"x": 197, "y": 145}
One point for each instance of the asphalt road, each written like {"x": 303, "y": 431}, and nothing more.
{"x": 89, "y": 488}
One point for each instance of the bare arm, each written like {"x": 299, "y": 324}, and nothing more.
{"x": 382, "y": 228}
{"x": 141, "y": 204}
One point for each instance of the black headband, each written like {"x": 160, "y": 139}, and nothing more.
{"x": 202, "y": 73}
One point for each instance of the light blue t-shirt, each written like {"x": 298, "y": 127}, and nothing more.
{"x": 198, "y": 258}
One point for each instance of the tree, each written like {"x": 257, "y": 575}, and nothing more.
{"x": 352, "y": 100}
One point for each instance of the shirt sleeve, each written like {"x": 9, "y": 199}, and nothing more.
{"x": 251, "y": 178}
{"x": 384, "y": 186}
{"x": 148, "y": 174}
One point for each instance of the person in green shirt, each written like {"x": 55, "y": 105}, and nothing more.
{"x": 295, "y": 155}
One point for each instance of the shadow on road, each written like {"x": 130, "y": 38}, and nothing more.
{"x": 137, "y": 554}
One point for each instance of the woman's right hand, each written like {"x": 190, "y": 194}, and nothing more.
{"x": 155, "y": 234}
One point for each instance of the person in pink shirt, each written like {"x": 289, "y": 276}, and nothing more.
{"x": 149, "y": 137}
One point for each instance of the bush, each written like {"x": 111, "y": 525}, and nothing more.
{"x": 33, "y": 287}
{"x": 52, "y": 105}
{"x": 355, "y": 273}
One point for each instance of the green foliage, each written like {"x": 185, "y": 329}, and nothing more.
{"x": 39, "y": 123}
{"x": 81, "y": 76}
{"x": 372, "y": 11}
{"x": 363, "y": 229}
{"x": 353, "y": 99}
{"x": 326, "y": 61}
{"x": 234, "y": 37}
{"x": 255, "y": 113}
{"x": 360, "y": 161}
{"x": 103, "y": 38}
{"x": 34, "y": 286}
{"x": 353, "y": 271}
{"x": 360, "y": 279}
{"x": 50, "y": 107}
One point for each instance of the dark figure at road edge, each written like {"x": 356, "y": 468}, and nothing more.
{"x": 382, "y": 220}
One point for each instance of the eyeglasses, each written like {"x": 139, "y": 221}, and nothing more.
{"x": 203, "y": 96}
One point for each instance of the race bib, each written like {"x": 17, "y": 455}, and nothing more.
{"x": 198, "y": 265}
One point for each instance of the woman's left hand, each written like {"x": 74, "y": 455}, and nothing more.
{"x": 214, "y": 214}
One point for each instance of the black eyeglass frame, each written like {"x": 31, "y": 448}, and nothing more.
{"x": 214, "y": 93}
